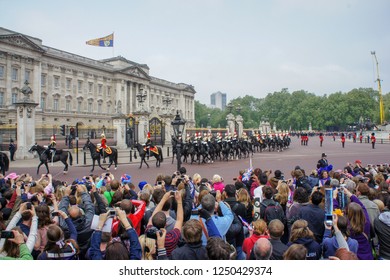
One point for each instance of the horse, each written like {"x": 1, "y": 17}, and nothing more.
{"x": 142, "y": 153}
{"x": 4, "y": 163}
{"x": 96, "y": 156}
{"x": 45, "y": 157}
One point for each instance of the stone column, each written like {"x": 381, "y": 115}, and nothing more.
{"x": 143, "y": 128}
{"x": 230, "y": 122}
{"x": 240, "y": 121}
{"x": 25, "y": 128}
{"x": 119, "y": 122}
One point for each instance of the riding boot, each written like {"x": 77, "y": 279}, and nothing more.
{"x": 147, "y": 154}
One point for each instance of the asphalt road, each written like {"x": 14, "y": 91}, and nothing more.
{"x": 304, "y": 156}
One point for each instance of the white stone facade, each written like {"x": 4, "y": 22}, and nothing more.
{"x": 70, "y": 88}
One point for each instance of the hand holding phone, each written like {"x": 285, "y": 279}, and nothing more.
{"x": 7, "y": 234}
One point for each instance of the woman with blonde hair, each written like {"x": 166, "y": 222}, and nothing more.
{"x": 244, "y": 197}
{"x": 148, "y": 246}
{"x": 218, "y": 184}
{"x": 301, "y": 234}
{"x": 259, "y": 230}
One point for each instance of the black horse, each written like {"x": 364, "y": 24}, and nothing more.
{"x": 96, "y": 156}
{"x": 4, "y": 163}
{"x": 142, "y": 153}
{"x": 45, "y": 157}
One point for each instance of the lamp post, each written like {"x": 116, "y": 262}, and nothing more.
{"x": 178, "y": 127}
{"x": 208, "y": 121}
{"x": 77, "y": 142}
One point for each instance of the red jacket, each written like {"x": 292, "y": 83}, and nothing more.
{"x": 135, "y": 218}
{"x": 249, "y": 242}
{"x": 342, "y": 139}
{"x": 321, "y": 138}
{"x": 373, "y": 139}
{"x": 103, "y": 143}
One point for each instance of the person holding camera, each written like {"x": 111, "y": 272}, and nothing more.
{"x": 57, "y": 248}
{"x": 28, "y": 228}
{"x": 159, "y": 219}
{"x": 117, "y": 248}
{"x": 339, "y": 239}
{"x": 80, "y": 217}
{"x": 192, "y": 231}
{"x": 22, "y": 251}
{"x": 358, "y": 225}
{"x": 222, "y": 222}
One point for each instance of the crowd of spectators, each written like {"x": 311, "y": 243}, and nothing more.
{"x": 260, "y": 215}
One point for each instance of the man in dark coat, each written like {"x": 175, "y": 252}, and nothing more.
{"x": 12, "y": 150}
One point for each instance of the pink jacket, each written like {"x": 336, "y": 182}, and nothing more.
{"x": 219, "y": 186}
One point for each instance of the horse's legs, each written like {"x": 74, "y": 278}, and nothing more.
{"x": 93, "y": 165}
{"x": 39, "y": 167}
{"x": 47, "y": 168}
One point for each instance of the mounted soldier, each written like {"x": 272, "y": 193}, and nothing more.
{"x": 103, "y": 144}
{"x": 51, "y": 148}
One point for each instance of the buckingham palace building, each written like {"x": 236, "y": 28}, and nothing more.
{"x": 89, "y": 94}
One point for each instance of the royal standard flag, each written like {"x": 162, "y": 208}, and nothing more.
{"x": 107, "y": 41}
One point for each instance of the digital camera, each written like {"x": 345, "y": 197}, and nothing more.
{"x": 152, "y": 232}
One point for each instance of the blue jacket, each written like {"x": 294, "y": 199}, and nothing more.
{"x": 313, "y": 248}
{"x": 314, "y": 216}
{"x": 330, "y": 245}
{"x": 135, "y": 248}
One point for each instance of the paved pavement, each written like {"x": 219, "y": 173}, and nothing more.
{"x": 304, "y": 156}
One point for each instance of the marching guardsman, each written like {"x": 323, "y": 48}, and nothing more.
{"x": 342, "y": 140}
{"x": 321, "y": 138}
{"x": 373, "y": 140}
{"x": 103, "y": 144}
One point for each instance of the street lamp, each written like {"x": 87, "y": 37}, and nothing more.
{"x": 208, "y": 121}
{"x": 229, "y": 107}
{"x": 178, "y": 127}
{"x": 238, "y": 109}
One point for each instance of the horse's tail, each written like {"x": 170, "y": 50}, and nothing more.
{"x": 161, "y": 154}
{"x": 116, "y": 156}
{"x": 70, "y": 158}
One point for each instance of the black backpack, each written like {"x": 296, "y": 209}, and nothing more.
{"x": 273, "y": 211}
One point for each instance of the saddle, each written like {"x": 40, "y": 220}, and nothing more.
{"x": 107, "y": 150}
{"x": 153, "y": 149}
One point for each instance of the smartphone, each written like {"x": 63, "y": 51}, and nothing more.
{"x": 107, "y": 174}
{"x": 195, "y": 212}
{"x": 7, "y": 234}
{"x": 28, "y": 205}
{"x": 55, "y": 214}
{"x": 159, "y": 182}
{"x": 87, "y": 178}
{"x": 173, "y": 193}
{"x": 329, "y": 220}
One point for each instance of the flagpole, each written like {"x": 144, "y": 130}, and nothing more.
{"x": 113, "y": 47}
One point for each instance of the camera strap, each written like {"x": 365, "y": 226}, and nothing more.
{"x": 203, "y": 228}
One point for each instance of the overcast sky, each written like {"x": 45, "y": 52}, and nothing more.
{"x": 238, "y": 47}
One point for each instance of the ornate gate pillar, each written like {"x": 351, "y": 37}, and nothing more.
{"x": 25, "y": 123}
